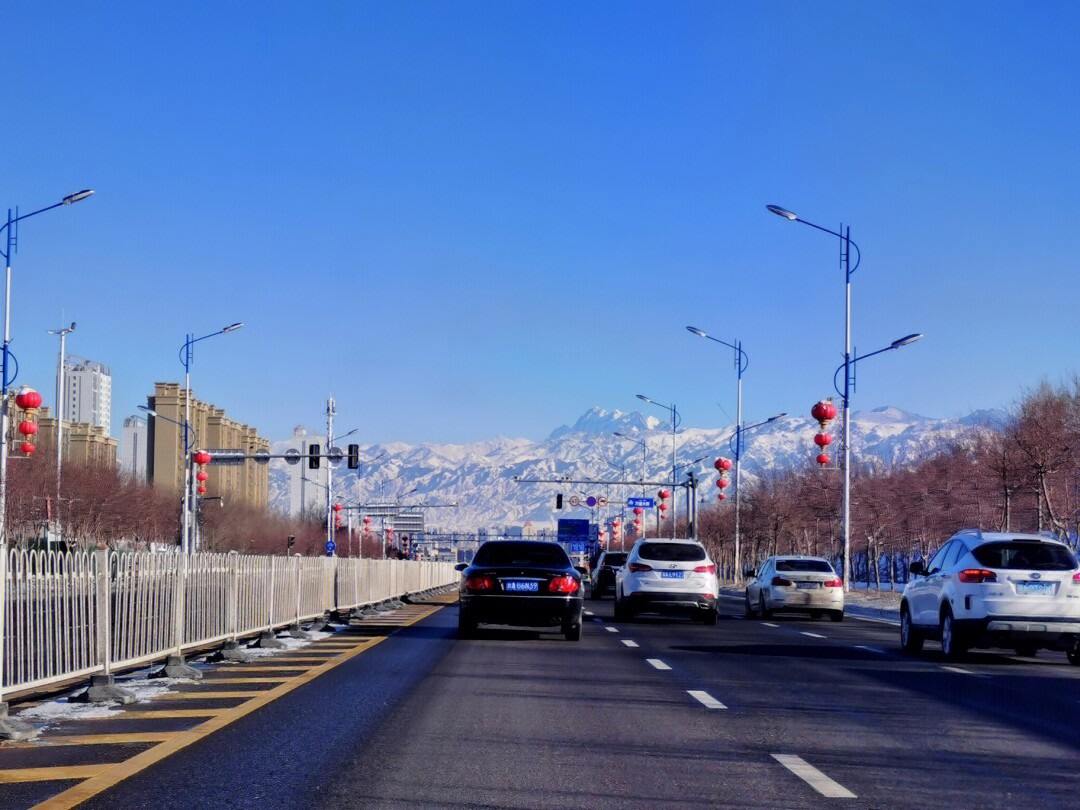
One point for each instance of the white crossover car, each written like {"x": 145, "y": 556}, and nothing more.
{"x": 666, "y": 576}
{"x": 1019, "y": 591}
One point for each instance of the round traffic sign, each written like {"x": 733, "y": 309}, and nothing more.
{"x": 330, "y": 545}
{"x": 575, "y": 500}
{"x": 601, "y": 501}
{"x": 263, "y": 457}
{"x": 335, "y": 454}
{"x": 590, "y": 501}
{"x": 292, "y": 456}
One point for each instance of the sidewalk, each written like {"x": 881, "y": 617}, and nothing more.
{"x": 884, "y": 605}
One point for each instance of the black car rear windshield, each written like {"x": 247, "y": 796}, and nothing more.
{"x": 544, "y": 555}
{"x": 807, "y": 566}
{"x": 614, "y": 559}
{"x": 671, "y": 552}
{"x": 1029, "y": 555}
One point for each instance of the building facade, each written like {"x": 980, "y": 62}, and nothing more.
{"x": 82, "y": 443}
{"x": 87, "y": 393}
{"x": 244, "y": 482}
{"x": 133, "y": 448}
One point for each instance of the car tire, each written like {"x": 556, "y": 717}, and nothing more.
{"x": 572, "y": 632}
{"x": 709, "y": 617}
{"x": 1027, "y": 650}
{"x": 620, "y": 611}
{"x": 911, "y": 640}
{"x": 596, "y": 594}
{"x": 764, "y": 612}
{"x": 466, "y": 627}
{"x": 1074, "y": 657}
{"x": 952, "y": 642}
{"x": 836, "y": 615}
{"x": 815, "y": 614}
{"x": 749, "y": 607}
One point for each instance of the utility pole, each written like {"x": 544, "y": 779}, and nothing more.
{"x": 330, "y": 411}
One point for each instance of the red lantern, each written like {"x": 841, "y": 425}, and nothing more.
{"x": 201, "y": 490}
{"x": 28, "y": 399}
{"x": 338, "y": 507}
{"x": 202, "y": 457}
{"x": 638, "y": 510}
{"x": 722, "y": 483}
{"x": 663, "y": 507}
{"x": 722, "y": 464}
{"x": 721, "y": 497}
{"x": 27, "y": 428}
{"x": 664, "y": 494}
{"x": 367, "y": 521}
{"x": 822, "y": 459}
{"x": 201, "y": 476}
{"x": 824, "y": 412}
{"x": 822, "y": 439}
{"x": 27, "y": 449}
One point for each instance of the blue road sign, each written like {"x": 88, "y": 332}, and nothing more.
{"x": 330, "y": 546}
{"x": 644, "y": 503}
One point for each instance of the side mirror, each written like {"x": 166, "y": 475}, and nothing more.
{"x": 917, "y": 568}
{"x": 461, "y": 566}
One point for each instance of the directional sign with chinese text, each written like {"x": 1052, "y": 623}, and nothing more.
{"x": 644, "y": 503}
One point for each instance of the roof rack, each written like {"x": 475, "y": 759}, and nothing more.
{"x": 977, "y": 532}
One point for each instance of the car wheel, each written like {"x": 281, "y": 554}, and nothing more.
{"x": 466, "y": 627}
{"x": 762, "y": 610}
{"x": 952, "y": 645}
{"x": 815, "y": 614}
{"x": 596, "y": 593}
{"x": 1027, "y": 650}
{"x": 749, "y": 607}
{"x": 620, "y": 611}
{"x": 572, "y": 631}
{"x": 708, "y": 617}
{"x": 836, "y": 615}
{"x": 1074, "y": 657}
{"x": 911, "y": 640}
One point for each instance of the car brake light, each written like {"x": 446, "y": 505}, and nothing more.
{"x": 705, "y": 569}
{"x": 485, "y": 582}
{"x": 564, "y": 584}
{"x": 1076, "y": 578}
{"x": 976, "y": 575}
{"x": 833, "y": 583}
{"x": 780, "y": 582}
{"x": 637, "y": 568}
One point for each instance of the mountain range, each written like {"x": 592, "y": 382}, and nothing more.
{"x": 487, "y": 479}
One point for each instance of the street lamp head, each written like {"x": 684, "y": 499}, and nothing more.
{"x": 778, "y": 416}
{"x": 232, "y": 327}
{"x": 644, "y": 398}
{"x": 907, "y": 339}
{"x": 148, "y": 409}
{"x": 781, "y": 212}
{"x": 78, "y": 196}
{"x": 696, "y": 331}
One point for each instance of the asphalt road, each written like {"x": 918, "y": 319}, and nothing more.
{"x": 744, "y": 714}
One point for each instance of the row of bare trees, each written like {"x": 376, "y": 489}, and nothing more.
{"x": 1024, "y": 475}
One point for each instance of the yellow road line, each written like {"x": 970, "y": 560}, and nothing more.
{"x": 112, "y": 776}
{"x": 207, "y": 695}
{"x": 281, "y": 668}
{"x": 162, "y": 714}
{"x": 96, "y": 739}
{"x": 242, "y": 679}
{"x": 52, "y": 774}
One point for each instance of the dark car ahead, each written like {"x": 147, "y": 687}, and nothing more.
{"x": 607, "y": 566}
{"x": 521, "y": 583}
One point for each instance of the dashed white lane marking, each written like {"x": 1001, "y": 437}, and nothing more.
{"x": 813, "y": 777}
{"x": 958, "y": 670}
{"x": 770, "y": 624}
{"x": 657, "y": 664}
{"x": 611, "y": 629}
{"x": 870, "y": 649}
{"x": 705, "y": 699}
{"x": 629, "y": 643}
{"x": 589, "y": 613}
{"x": 812, "y": 635}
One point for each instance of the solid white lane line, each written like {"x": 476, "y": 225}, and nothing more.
{"x": 658, "y": 664}
{"x": 611, "y": 629}
{"x": 705, "y": 699}
{"x": 770, "y": 624}
{"x": 812, "y": 635}
{"x": 629, "y": 643}
{"x": 813, "y": 777}
{"x": 870, "y": 649}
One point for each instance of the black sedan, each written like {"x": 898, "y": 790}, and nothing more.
{"x": 522, "y": 583}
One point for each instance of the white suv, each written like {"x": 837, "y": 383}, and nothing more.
{"x": 662, "y": 576}
{"x": 994, "y": 590}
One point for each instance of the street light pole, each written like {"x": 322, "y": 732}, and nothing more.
{"x": 187, "y": 352}
{"x": 331, "y": 410}
{"x": 62, "y": 333}
{"x": 674, "y": 425}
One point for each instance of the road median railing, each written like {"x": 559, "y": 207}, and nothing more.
{"x": 67, "y": 616}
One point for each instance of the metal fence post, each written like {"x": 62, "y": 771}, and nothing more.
{"x": 232, "y": 596}
{"x": 103, "y": 603}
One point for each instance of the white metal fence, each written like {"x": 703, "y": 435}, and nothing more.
{"x": 68, "y": 615}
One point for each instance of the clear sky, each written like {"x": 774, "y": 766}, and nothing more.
{"x": 477, "y": 218}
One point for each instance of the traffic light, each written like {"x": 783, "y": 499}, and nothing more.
{"x": 354, "y": 457}
{"x": 558, "y": 501}
{"x": 313, "y": 457}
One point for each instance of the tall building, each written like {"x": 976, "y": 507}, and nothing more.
{"x": 133, "y": 447}
{"x": 87, "y": 393}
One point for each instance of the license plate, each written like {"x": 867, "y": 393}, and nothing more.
{"x": 521, "y": 585}
{"x": 1032, "y": 588}
{"x": 671, "y": 575}
{"x": 806, "y": 586}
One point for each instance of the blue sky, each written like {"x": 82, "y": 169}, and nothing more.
{"x": 470, "y": 219}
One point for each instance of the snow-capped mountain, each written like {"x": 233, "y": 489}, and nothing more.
{"x": 488, "y": 479}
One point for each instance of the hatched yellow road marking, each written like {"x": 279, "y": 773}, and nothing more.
{"x": 278, "y": 668}
{"x": 96, "y": 739}
{"x": 52, "y": 774}
{"x": 163, "y": 714}
{"x": 112, "y": 775}
{"x": 230, "y": 679}
{"x": 207, "y": 695}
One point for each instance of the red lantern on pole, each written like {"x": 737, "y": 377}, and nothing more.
{"x": 202, "y": 457}
{"x": 722, "y": 483}
{"x": 28, "y": 428}
{"x": 663, "y": 507}
{"x": 28, "y": 400}
{"x": 722, "y": 464}
{"x": 822, "y": 459}
{"x": 338, "y": 507}
{"x": 27, "y": 448}
{"x": 823, "y": 412}
{"x": 201, "y": 490}
{"x": 367, "y": 521}
{"x": 721, "y": 497}
{"x": 664, "y": 494}
{"x": 638, "y": 510}
{"x": 201, "y": 476}
{"x": 822, "y": 439}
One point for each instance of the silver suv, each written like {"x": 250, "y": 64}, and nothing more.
{"x": 1020, "y": 591}
{"x": 667, "y": 576}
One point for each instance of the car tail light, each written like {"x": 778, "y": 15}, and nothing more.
{"x": 780, "y": 582}
{"x": 833, "y": 583}
{"x": 637, "y": 568}
{"x": 564, "y": 584}
{"x": 1076, "y": 578}
{"x": 705, "y": 569}
{"x": 976, "y": 575}
{"x": 484, "y": 582}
